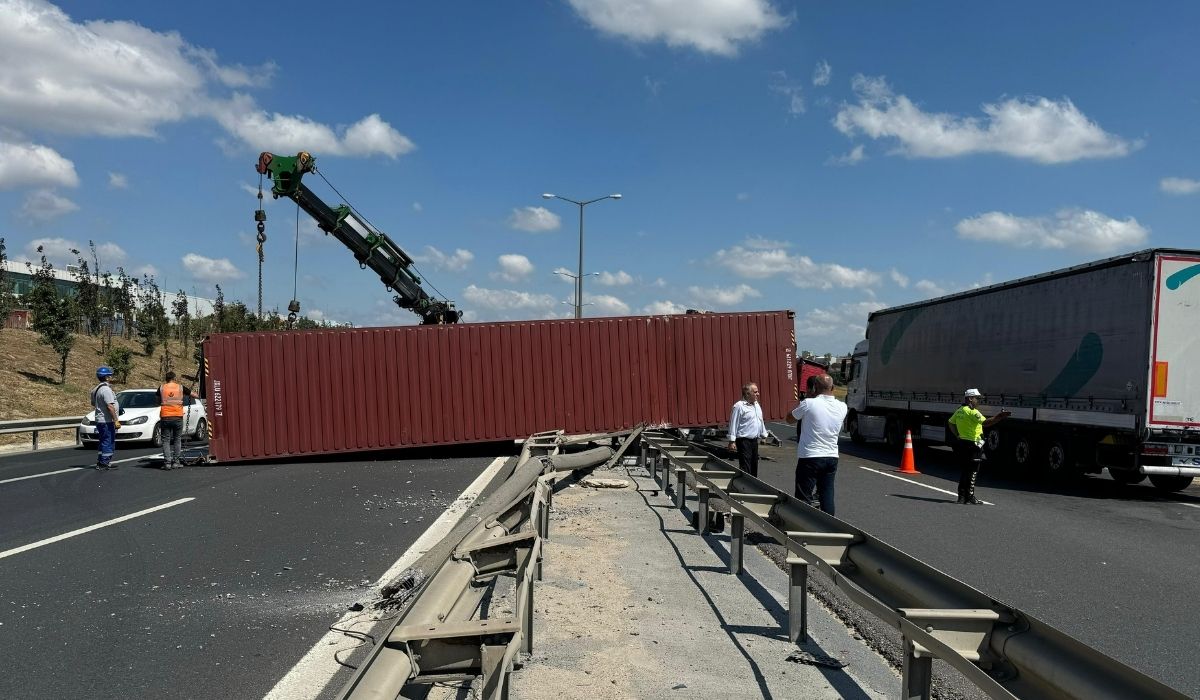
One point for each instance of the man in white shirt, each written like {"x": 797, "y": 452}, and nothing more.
{"x": 820, "y": 416}
{"x": 746, "y": 428}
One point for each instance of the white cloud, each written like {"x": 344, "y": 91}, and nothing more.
{"x": 210, "y": 270}
{"x": 417, "y": 207}
{"x": 147, "y": 270}
{"x": 620, "y": 278}
{"x": 654, "y": 87}
{"x": 791, "y": 90}
{"x": 117, "y": 181}
{"x": 822, "y": 74}
{"x": 835, "y": 329}
{"x": 1179, "y": 185}
{"x": 59, "y": 251}
{"x": 709, "y": 26}
{"x": 530, "y": 305}
{"x": 760, "y": 243}
{"x": 118, "y": 78}
{"x": 854, "y": 157}
{"x": 1077, "y": 229}
{"x": 743, "y": 196}
{"x": 898, "y": 277}
{"x": 42, "y": 206}
{"x": 660, "y": 282}
{"x": 110, "y": 255}
{"x": 534, "y": 219}
{"x": 800, "y": 270}
{"x": 1033, "y": 128}
{"x": 663, "y": 308}
{"x": 33, "y": 165}
{"x": 605, "y": 305}
{"x": 723, "y": 296}
{"x": 929, "y": 288}
{"x": 284, "y": 133}
{"x": 457, "y": 261}
{"x": 513, "y": 268}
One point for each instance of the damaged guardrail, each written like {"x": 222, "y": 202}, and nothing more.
{"x": 1003, "y": 651}
{"x": 447, "y": 632}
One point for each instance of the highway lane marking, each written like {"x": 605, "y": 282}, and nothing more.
{"x": 35, "y": 476}
{"x": 69, "y": 469}
{"x": 917, "y": 483}
{"x": 89, "y": 528}
{"x": 318, "y": 667}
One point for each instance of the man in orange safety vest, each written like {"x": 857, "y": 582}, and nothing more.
{"x": 170, "y": 413}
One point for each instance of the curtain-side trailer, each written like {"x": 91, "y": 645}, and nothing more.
{"x": 1099, "y": 365}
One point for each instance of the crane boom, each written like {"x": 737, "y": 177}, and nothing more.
{"x": 371, "y": 248}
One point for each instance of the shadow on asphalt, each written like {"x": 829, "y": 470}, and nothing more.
{"x": 940, "y": 463}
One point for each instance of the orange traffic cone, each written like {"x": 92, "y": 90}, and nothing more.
{"x": 907, "y": 464}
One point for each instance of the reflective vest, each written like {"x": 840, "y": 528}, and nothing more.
{"x": 172, "y": 401}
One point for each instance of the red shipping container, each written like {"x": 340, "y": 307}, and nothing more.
{"x": 280, "y": 394}
{"x": 808, "y": 368}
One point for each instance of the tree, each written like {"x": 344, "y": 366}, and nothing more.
{"x": 54, "y": 316}
{"x": 121, "y": 361}
{"x": 218, "y": 314}
{"x": 108, "y": 296}
{"x": 8, "y": 300}
{"x": 183, "y": 319}
{"x": 152, "y": 325}
{"x": 123, "y": 300}
{"x": 87, "y": 293}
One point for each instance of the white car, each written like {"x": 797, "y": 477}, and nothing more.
{"x": 139, "y": 419}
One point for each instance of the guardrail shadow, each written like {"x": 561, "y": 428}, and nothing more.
{"x": 846, "y": 686}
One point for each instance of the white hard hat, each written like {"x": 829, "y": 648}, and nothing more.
{"x": 971, "y": 392}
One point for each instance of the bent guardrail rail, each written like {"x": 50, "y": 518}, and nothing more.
{"x": 36, "y": 425}
{"x": 443, "y": 635}
{"x": 1005, "y": 652}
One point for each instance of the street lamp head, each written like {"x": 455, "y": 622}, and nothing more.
{"x": 547, "y": 196}
{"x": 614, "y": 196}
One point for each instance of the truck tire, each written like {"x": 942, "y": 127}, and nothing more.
{"x": 893, "y": 433}
{"x": 1127, "y": 477}
{"x": 1163, "y": 482}
{"x": 1059, "y": 459}
{"x": 1022, "y": 452}
{"x": 852, "y": 428}
{"x": 993, "y": 444}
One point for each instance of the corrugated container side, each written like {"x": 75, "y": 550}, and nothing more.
{"x": 317, "y": 392}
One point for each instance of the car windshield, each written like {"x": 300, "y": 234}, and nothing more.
{"x": 137, "y": 399}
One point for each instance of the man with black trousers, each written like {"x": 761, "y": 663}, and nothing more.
{"x": 966, "y": 431}
{"x": 746, "y": 428}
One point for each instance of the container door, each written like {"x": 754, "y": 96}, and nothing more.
{"x": 1175, "y": 351}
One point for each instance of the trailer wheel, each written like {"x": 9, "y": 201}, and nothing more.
{"x": 1022, "y": 451}
{"x": 993, "y": 441}
{"x": 852, "y": 428}
{"x": 1060, "y": 459}
{"x": 1163, "y": 482}
{"x": 1126, "y": 476}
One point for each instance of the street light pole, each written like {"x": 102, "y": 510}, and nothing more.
{"x": 579, "y": 277}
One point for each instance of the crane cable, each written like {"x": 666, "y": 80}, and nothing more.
{"x": 294, "y": 307}
{"x": 260, "y": 217}
{"x": 368, "y": 223}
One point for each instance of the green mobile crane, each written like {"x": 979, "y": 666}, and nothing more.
{"x": 372, "y": 248}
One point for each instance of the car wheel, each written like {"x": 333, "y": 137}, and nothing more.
{"x": 201, "y": 433}
{"x": 156, "y": 436}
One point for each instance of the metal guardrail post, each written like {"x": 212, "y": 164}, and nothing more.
{"x": 737, "y": 532}
{"x": 797, "y": 600}
{"x": 702, "y": 509}
{"x": 666, "y": 475}
{"x": 35, "y": 439}
{"x": 680, "y": 488}
{"x": 916, "y": 674}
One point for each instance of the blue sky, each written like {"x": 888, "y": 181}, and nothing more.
{"x": 830, "y": 158}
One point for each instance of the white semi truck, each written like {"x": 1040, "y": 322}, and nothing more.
{"x": 1099, "y": 365}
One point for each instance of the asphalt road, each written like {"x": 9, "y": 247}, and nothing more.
{"x": 1114, "y": 566}
{"x": 213, "y": 597}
